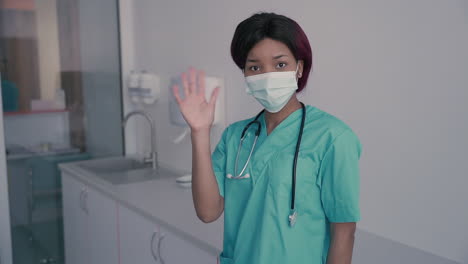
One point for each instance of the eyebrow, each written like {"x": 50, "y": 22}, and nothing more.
{"x": 275, "y": 57}
{"x": 279, "y": 56}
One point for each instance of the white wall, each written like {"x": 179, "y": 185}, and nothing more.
{"x": 395, "y": 71}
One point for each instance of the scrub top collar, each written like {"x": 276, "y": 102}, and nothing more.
{"x": 281, "y": 137}
{"x": 292, "y": 117}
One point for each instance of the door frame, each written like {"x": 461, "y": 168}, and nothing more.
{"x": 5, "y": 229}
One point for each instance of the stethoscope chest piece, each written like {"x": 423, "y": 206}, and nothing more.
{"x": 292, "y": 217}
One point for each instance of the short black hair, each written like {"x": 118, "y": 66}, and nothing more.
{"x": 278, "y": 27}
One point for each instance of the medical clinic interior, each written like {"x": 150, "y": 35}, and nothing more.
{"x": 102, "y": 161}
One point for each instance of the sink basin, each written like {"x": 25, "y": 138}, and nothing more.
{"x": 130, "y": 176}
{"x": 114, "y": 165}
{"x": 123, "y": 170}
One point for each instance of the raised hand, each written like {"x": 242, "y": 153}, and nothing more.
{"x": 198, "y": 113}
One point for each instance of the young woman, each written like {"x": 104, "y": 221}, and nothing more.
{"x": 287, "y": 179}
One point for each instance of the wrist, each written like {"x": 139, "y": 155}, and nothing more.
{"x": 201, "y": 139}
{"x": 200, "y": 130}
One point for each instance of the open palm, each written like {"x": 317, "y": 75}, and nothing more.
{"x": 198, "y": 113}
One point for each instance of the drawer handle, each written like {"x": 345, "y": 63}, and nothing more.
{"x": 31, "y": 190}
{"x": 159, "y": 247}
{"x": 85, "y": 201}
{"x": 152, "y": 246}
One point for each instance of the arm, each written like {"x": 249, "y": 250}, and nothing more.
{"x": 199, "y": 114}
{"x": 340, "y": 187}
{"x": 209, "y": 204}
{"x": 342, "y": 242}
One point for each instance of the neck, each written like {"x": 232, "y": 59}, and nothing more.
{"x": 274, "y": 119}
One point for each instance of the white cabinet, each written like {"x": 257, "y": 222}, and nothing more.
{"x": 90, "y": 224}
{"x": 102, "y": 227}
{"x": 74, "y": 221}
{"x": 137, "y": 238}
{"x": 99, "y": 230}
{"x": 173, "y": 250}
{"x": 143, "y": 242}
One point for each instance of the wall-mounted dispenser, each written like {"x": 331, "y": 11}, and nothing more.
{"x": 143, "y": 87}
{"x": 176, "y": 116}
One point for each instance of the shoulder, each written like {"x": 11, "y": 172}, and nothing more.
{"x": 328, "y": 127}
{"x": 323, "y": 120}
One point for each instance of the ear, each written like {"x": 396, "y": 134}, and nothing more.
{"x": 300, "y": 68}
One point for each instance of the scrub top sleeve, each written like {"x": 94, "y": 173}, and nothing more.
{"x": 340, "y": 180}
{"x": 218, "y": 159}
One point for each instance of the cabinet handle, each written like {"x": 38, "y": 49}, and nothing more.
{"x": 152, "y": 248}
{"x": 159, "y": 247}
{"x": 85, "y": 201}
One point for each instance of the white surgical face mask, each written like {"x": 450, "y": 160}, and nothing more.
{"x": 272, "y": 89}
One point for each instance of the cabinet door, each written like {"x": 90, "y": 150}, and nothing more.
{"x": 74, "y": 221}
{"x": 172, "y": 249}
{"x": 137, "y": 238}
{"x": 102, "y": 227}
{"x": 19, "y": 191}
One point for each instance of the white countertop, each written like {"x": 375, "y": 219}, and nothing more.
{"x": 162, "y": 201}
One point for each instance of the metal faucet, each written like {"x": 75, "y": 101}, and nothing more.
{"x": 153, "y": 158}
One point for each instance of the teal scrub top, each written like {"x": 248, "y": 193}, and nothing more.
{"x": 256, "y": 208}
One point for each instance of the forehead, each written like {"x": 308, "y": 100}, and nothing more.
{"x": 268, "y": 48}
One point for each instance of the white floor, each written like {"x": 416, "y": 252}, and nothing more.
{"x": 368, "y": 249}
{"x": 373, "y": 249}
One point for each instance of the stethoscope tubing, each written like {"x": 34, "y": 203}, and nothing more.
{"x": 257, "y": 133}
{"x": 248, "y": 159}
{"x": 243, "y": 135}
{"x": 296, "y": 154}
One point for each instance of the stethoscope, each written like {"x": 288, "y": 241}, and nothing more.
{"x": 292, "y": 213}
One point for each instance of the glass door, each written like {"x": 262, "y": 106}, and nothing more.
{"x": 61, "y": 90}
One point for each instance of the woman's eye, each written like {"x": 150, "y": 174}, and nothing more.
{"x": 281, "y": 65}
{"x": 254, "y": 68}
